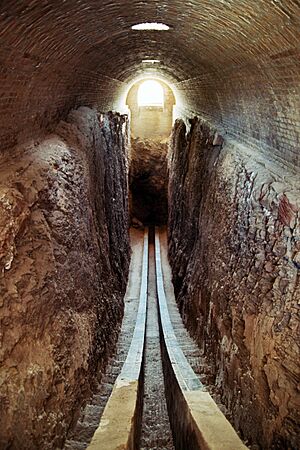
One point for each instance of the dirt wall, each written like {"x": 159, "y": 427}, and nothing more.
{"x": 235, "y": 254}
{"x": 148, "y": 179}
{"x": 64, "y": 256}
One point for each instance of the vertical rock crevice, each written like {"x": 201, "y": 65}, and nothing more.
{"x": 64, "y": 256}
{"x": 234, "y": 250}
{"x": 148, "y": 179}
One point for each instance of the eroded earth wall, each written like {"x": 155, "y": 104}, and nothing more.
{"x": 235, "y": 253}
{"x": 64, "y": 256}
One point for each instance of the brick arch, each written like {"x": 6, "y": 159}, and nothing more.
{"x": 151, "y": 123}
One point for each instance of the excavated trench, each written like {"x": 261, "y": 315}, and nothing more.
{"x": 162, "y": 361}
{"x": 149, "y": 191}
{"x": 186, "y": 338}
{"x": 161, "y": 418}
{"x": 214, "y": 202}
{"x": 46, "y": 190}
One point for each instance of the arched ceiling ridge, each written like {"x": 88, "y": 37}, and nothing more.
{"x": 203, "y": 35}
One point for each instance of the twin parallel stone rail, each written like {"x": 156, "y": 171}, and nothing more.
{"x": 196, "y": 420}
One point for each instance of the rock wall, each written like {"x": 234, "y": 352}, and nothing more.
{"x": 234, "y": 246}
{"x": 149, "y": 181}
{"x": 64, "y": 256}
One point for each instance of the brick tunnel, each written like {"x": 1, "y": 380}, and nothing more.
{"x": 82, "y": 173}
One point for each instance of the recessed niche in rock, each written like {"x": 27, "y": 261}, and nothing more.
{"x": 151, "y": 111}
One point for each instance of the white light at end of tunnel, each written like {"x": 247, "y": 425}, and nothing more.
{"x": 151, "y": 93}
{"x": 151, "y": 26}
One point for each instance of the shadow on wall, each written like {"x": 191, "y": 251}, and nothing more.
{"x": 151, "y": 110}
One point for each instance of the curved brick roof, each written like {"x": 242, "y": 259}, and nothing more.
{"x": 235, "y": 62}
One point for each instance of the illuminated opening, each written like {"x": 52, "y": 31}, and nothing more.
{"x": 151, "y": 93}
{"x": 151, "y": 26}
{"x": 151, "y": 61}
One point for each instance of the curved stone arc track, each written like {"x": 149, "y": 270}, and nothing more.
{"x": 158, "y": 402}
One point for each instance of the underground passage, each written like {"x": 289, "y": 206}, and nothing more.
{"x": 150, "y": 225}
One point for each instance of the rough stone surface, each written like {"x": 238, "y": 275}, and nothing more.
{"x": 234, "y": 249}
{"x": 148, "y": 179}
{"x": 64, "y": 261}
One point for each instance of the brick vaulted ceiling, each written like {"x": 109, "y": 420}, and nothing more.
{"x": 58, "y": 54}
